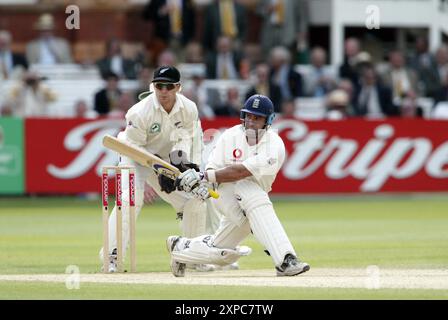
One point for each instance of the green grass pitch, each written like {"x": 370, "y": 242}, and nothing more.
{"x": 45, "y": 235}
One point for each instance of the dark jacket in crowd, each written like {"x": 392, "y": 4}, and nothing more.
{"x": 102, "y": 104}
{"x": 384, "y": 100}
{"x": 162, "y": 25}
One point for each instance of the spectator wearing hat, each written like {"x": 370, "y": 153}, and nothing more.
{"x": 48, "y": 49}
{"x": 337, "y": 104}
{"x": 10, "y": 62}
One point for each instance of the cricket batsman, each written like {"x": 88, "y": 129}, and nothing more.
{"x": 244, "y": 164}
{"x": 164, "y": 123}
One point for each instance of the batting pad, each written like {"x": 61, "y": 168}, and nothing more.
{"x": 263, "y": 220}
{"x": 200, "y": 251}
{"x": 229, "y": 235}
{"x": 213, "y": 217}
{"x": 194, "y": 218}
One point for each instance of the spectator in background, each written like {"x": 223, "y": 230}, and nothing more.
{"x": 202, "y": 96}
{"x": 288, "y": 109}
{"x": 440, "y": 110}
{"x": 372, "y": 99}
{"x": 337, "y": 104}
{"x": 285, "y": 23}
{"x": 166, "y": 58}
{"x": 225, "y": 62}
{"x": 442, "y": 94}
{"x": 48, "y": 49}
{"x": 232, "y": 106}
{"x": 265, "y": 87}
{"x": 421, "y": 61}
{"x": 194, "y": 53}
{"x": 224, "y": 18}
{"x": 409, "y": 107}
{"x": 144, "y": 79}
{"x": 115, "y": 62}
{"x": 107, "y": 98}
{"x": 399, "y": 78}
{"x": 442, "y": 64}
{"x": 422, "y": 58}
{"x": 29, "y": 98}
{"x": 174, "y": 22}
{"x": 252, "y": 51}
{"x": 125, "y": 101}
{"x": 11, "y": 64}
{"x": 284, "y": 75}
{"x": 432, "y": 77}
{"x": 347, "y": 86}
{"x": 319, "y": 81}
{"x": 349, "y": 67}
{"x": 82, "y": 110}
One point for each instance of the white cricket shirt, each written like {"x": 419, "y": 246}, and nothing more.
{"x": 148, "y": 125}
{"x": 263, "y": 160}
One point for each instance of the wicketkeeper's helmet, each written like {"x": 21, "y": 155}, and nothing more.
{"x": 259, "y": 105}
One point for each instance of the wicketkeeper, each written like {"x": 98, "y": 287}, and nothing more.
{"x": 244, "y": 164}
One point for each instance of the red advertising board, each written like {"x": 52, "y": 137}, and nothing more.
{"x": 359, "y": 155}
{"x": 351, "y": 156}
{"x": 66, "y": 155}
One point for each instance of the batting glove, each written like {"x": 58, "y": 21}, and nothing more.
{"x": 188, "y": 180}
{"x": 201, "y": 191}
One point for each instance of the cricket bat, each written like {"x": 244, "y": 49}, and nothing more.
{"x": 145, "y": 158}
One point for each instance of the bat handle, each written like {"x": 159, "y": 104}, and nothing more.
{"x": 213, "y": 194}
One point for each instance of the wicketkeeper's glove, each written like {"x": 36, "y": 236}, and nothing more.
{"x": 178, "y": 159}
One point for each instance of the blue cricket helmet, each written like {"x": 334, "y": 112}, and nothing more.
{"x": 259, "y": 105}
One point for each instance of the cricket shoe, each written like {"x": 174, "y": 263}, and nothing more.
{"x": 232, "y": 266}
{"x": 177, "y": 268}
{"x": 113, "y": 266}
{"x": 291, "y": 266}
{"x": 202, "y": 267}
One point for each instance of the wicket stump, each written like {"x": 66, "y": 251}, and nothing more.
{"x": 119, "y": 216}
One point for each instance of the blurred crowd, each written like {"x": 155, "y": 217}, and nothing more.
{"x": 281, "y": 65}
